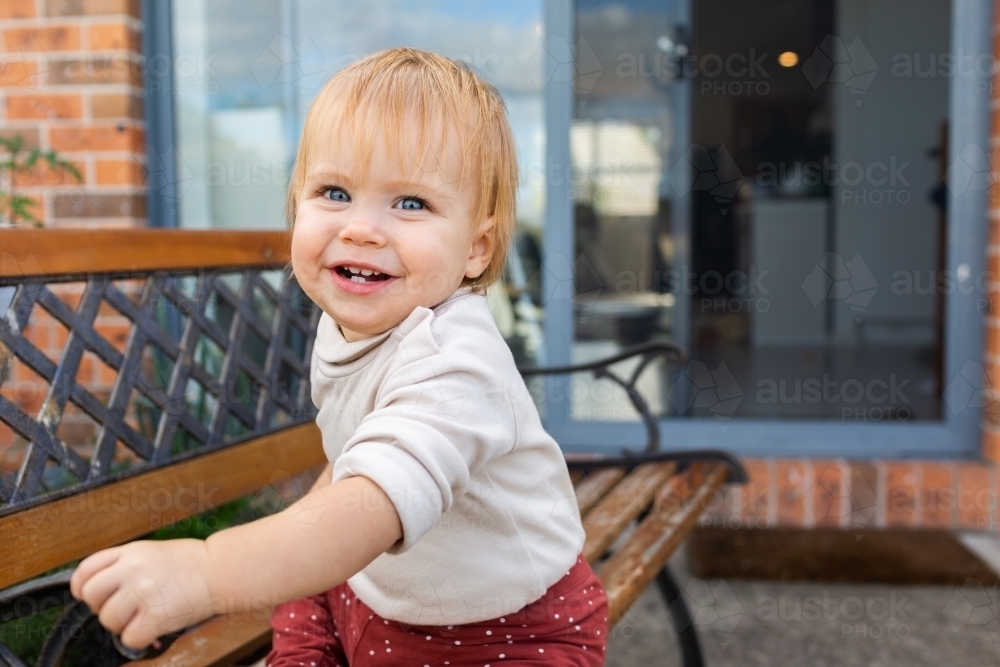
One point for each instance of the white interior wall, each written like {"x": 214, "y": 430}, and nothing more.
{"x": 897, "y": 119}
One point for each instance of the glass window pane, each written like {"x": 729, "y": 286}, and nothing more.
{"x": 248, "y": 70}
{"x": 809, "y": 159}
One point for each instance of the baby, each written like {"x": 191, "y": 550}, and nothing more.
{"x": 445, "y": 530}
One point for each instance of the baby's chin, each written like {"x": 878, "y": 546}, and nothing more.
{"x": 366, "y": 327}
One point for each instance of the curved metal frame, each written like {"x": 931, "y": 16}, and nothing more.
{"x": 70, "y": 626}
{"x": 673, "y": 598}
{"x": 649, "y": 351}
{"x": 76, "y": 616}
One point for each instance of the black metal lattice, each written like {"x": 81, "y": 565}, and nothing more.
{"x": 229, "y": 352}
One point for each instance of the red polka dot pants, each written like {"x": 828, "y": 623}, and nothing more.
{"x": 568, "y": 626}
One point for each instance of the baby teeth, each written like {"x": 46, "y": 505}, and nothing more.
{"x": 358, "y": 275}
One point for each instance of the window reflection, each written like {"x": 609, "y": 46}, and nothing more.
{"x": 761, "y": 182}
{"x": 257, "y": 64}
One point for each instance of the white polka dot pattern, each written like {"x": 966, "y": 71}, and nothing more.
{"x": 336, "y": 629}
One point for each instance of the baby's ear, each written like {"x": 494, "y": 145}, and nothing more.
{"x": 481, "y": 251}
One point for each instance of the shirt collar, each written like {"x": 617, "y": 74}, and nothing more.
{"x": 337, "y": 353}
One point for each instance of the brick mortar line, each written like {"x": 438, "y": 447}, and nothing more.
{"x": 76, "y": 89}
{"x": 110, "y": 153}
{"x": 94, "y": 190}
{"x": 98, "y": 222}
{"x": 82, "y": 123}
{"x": 955, "y": 519}
{"x": 71, "y": 123}
{"x": 70, "y": 20}
{"x": 81, "y": 154}
{"x": 41, "y": 188}
{"x": 846, "y": 490}
{"x": 808, "y": 491}
{"x": 772, "y": 491}
{"x": 881, "y": 493}
{"x": 91, "y": 170}
{"x": 44, "y": 56}
{"x": 103, "y": 86}
{"x": 76, "y": 54}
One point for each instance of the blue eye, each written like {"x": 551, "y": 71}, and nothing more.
{"x": 336, "y": 194}
{"x": 412, "y": 204}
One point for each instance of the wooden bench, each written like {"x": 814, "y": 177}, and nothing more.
{"x": 187, "y": 362}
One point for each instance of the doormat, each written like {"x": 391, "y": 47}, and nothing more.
{"x": 892, "y": 556}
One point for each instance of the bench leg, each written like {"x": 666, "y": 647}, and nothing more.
{"x": 681, "y": 617}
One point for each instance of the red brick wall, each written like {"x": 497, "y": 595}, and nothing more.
{"x": 991, "y": 355}
{"x": 71, "y": 80}
{"x": 862, "y": 494}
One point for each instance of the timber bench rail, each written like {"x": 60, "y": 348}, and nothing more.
{"x": 149, "y": 376}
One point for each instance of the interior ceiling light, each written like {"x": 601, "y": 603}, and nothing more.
{"x": 788, "y": 59}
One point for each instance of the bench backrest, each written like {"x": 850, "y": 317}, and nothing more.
{"x": 146, "y": 376}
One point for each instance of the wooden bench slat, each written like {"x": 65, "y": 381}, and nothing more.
{"x": 591, "y": 488}
{"x": 218, "y": 642}
{"x": 40, "y": 252}
{"x": 624, "y": 502}
{"x": 39, "y": 538}
{"x": 633, "y": 567}
{"x": 677, "y": 503}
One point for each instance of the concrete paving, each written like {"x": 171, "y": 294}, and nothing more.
{"x": 743, "y": 623}
{"x": 750, "y": 623}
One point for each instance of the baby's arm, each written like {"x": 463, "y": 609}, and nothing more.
{"x": 144, "y": 589}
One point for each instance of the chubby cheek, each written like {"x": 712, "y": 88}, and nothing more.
{"x": 306, "y": 250}
{"x": 433, "y": 261}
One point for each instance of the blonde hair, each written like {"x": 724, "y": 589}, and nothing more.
{"x": 373, "y": 97}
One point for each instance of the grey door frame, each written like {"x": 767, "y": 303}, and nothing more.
{"x": 956, "y": 436}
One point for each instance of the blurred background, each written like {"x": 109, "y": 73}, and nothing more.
{"x": 801, "y": 193}
{"x": 737, "y": 183}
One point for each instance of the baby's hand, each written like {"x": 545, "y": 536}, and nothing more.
{"x": 146, "y": 589}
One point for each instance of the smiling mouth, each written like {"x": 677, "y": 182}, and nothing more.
{"x": 359, "y": 275}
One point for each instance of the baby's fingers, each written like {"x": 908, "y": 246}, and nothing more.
{"x": 140, "y": 632}
{"x": 118, "y": 611}
{"x": 91, "y": 565}
{"x": 96, "y": 591}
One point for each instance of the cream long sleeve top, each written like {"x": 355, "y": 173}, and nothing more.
{"x": 435, "y": 413}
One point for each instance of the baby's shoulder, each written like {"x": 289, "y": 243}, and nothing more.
{"x": 458, "y": 335}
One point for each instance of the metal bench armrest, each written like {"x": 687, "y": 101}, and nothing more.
{"x": 649, "y": 351}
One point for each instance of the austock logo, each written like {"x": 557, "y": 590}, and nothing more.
{"x": 713, "y": 607}
{"x": 973, "y": 605}
{"x": 284, "y": 61}
{"x": 699, "y": 387}
{"x": 972, "y": 171}
{"x": 161, "y": 171}
{"x": 849, "y": 281}
{"x": 857, "y": 500}
{"x": 559, "y": 62}
{"x": 712, "y": 171}
{"x": 836, "y": 62}
{"x": 18, "y": 68}
{"x": 281, "y": 491}
{"x": 970, "y": 388}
